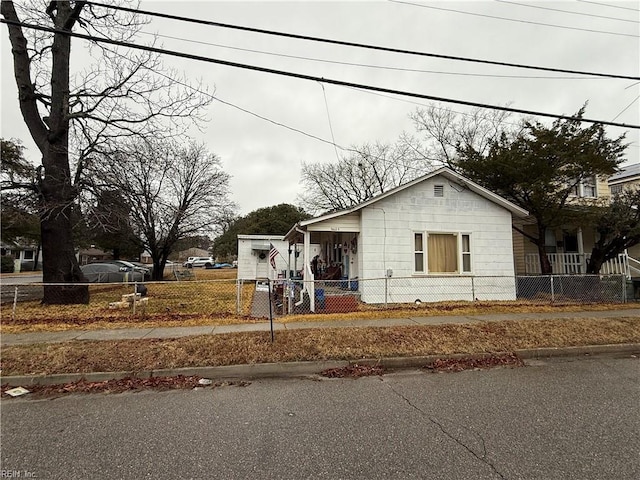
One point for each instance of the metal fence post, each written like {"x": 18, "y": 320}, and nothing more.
{"x": 238, "y": 300}
{"x": 552, "y": 291}
{"x": 270, "y": 312}
{"x": 386, "y": 287}
{"x": 473, "y": 289}
{"x": 624, "y": 288}
{"x": 135, "y": 296}
{"x": 15, "y": 303}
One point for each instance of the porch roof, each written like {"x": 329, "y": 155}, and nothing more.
{"x": 444, "y": 171}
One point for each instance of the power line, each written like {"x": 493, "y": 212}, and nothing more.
{"x": 568, "y": 11}
{"x": 627, "y": 107}
{"x": 495, "y": 17}
{"x": 607, "y": 5}
{"x": 326, "y": 104}
{"x": 312, "y": 77}
{"x": 358, "y": 45}
{"x": 365, "y": 65}
{"x": 288, "y": 127}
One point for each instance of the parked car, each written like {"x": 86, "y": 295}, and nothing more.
{"x": 141, "y": 267}
{"x": 110, "y": 273}
{"x": 132, "y": 267}
{"x": 206, "y": 262}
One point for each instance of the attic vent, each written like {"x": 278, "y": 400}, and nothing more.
{"x": 438, "y": 190}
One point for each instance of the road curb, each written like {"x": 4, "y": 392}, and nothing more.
{"x": 305, "y": 369}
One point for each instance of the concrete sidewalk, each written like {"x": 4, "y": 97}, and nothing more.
{"x": 176, "y": 332}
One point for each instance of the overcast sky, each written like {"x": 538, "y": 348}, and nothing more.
{"x": 264, "y": 159}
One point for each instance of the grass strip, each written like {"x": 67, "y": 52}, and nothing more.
{"x": 315, "y": 344}
{"x": 84, "y": 317}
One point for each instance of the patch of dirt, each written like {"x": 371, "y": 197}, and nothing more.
{"x": 353, "y": 371}
{"x": 124, "y": 385}
{"x": 460, "y": 364}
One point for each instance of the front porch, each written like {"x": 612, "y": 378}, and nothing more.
{"x": 576, "y": 264}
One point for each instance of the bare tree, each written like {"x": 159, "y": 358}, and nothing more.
{"x": 74, "y": 116}
{"x": 446, "y": 131}
{"x": 173, "y": 191}
{"x": 369, "y": 170}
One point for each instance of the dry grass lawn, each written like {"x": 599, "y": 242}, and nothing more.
{"x": 315, "y": 344}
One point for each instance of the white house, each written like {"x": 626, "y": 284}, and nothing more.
{"x": 24, "y": 255}
{"x": 446, "y": 237}
{"x": 253, "y": 257}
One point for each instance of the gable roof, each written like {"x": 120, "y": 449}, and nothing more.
{"x": 445, "y": 172}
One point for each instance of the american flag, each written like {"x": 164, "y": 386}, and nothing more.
{"x": 273, "y": 252}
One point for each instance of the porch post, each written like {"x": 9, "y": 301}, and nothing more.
{"x": 308, "y": 274}
{"x": 583, "y": 260}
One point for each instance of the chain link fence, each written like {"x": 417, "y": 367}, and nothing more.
{"x": 275, "y": 298}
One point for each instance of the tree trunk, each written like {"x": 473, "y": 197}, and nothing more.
{"x": 594, "y": 264}
{"x": 545, "y": 265}
{"x": 59, "y": 262}
{"x": 159, "y": 263}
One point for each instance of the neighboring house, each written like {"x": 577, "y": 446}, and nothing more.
{"x": 145, "y": 257}
{"x": 253, "y": 257}
{"x": 568, "y": 247}
{"x": 437, "y": 232}
{"x": 24, "y": 255}
{"x": 93, "y": 255}
{"x": 627, "y": 178}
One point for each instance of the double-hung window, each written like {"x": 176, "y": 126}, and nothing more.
{"x": 442, "y": 253}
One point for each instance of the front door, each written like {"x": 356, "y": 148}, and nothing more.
{"x": 262, "y": 270}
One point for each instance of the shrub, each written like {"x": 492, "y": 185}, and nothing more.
{"x": 6, "y": 265}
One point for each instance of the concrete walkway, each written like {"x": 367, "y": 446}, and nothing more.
{"x": 176, "y": 332}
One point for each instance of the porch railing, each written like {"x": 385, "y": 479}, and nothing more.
{"x": 576, "y": 264}
{"x": 634, "y": 267}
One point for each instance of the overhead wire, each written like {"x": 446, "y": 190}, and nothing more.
{"x": 283, "y": 125}
{"x": 495, "y": 17}
{"x": 626, "y": 108}
{"x": 609, "y": 5}
{"x": 312, "y": 77}
{"x": 354, "y": 44}
{"x": 528, "y": 5}
{"x": 365, "y": 65}
{"x": 326, "y": 104}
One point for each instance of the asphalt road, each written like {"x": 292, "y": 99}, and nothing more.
{"x": 26, "y": 291}
{"x": 560, "y": 419}
{"x": 22, "y": 279}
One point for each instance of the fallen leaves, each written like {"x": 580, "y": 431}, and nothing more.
{"x": 472, "y": 363}
{"x": 353, "y": 371}
{"x": 128, "y": 384}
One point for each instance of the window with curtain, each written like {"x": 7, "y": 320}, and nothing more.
{"x": 442, "y": 253}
